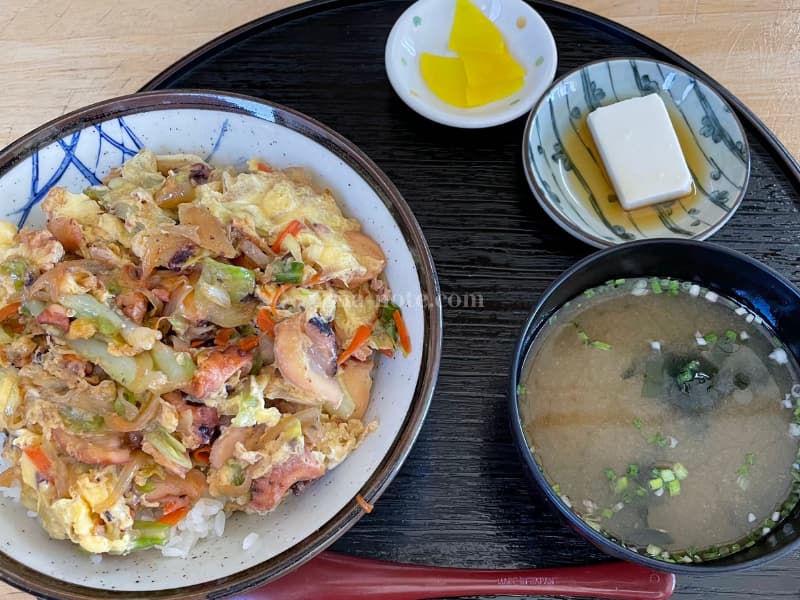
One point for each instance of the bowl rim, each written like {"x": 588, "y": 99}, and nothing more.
{"x": 518, "y": 435}
{"x": 587, "y": 236}
{"x": 466, "y": 121}
{"x": 23, "y": 577}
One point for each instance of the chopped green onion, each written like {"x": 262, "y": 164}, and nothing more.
{"x": 619, "y": 282}
{"x": 667, "y": 475}
{"x": 521, "y": 389}
{"x": 582, "y": 334}
{"x": 600, "y": 345}
{"x": 655, "y": 285}
{"x": 557, "y": 489}
{"x": 674, "y": 487}
{"x": 610, "y": 474}
{"x": 653, "y": 550}
{"x": 223, "y": 283}
{"x": 588, "y": 293}
{"x": 621, "y": 485}
{"x": 750, "y": 459}
{"x": 743, "y": 470}
{"x": 710, "y": 337}
{"x": 680, "y": 471}
{"x": 674, "y": 287}
{"x": 658, "y": 440}
{"x": 16, "y": 269}
{"x": 731, "y": 335}
{"x": 607, "y": 513}
{"x": 640, "y": 491}
{"x": 687, "y": 372}
{"x": 656, "y": 484}
{"x": 148, "y": 486}
{"x": 633, "y": 470}
{"x": 288, "y": 272}
{"x": 637, "y": 423}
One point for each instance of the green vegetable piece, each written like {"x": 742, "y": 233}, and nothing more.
{"x": 750, "y": 459}
{"x": 607, "y": 513}
{"x": 177, "y": 366}
{"x": 637, "y": 423}
{"x": 674, "y": 487}
{"x": 387, "y": 320}
{"x": 710, "y": 337}
{"x": 743, "y": 470}
{"x": 667, "y": 475}
{"x": 557, "y": 489}
{"x": 600, "y": 345}
{"x": 680, "y": 471}
{"x": 148, "y": 534}
{"x": 655, "y": 285}
{"x": 610, "y": 474}
{"x": 640, "y": 491}
{"x": 621, "y": 485}
{"x": 169, "y": 447}
{"x": 79, "y": 421}
{"x": 148, "y": 486}
{"x": 88, "y": 307}
{"x": 633, "y": 470}
{"x": 521, "y": 390}
{"x": 288, "y": 272}
{"x": 33, "y": 308}
{"x": 731, "y": 335}
{"x": 588, "y": 293}
{"x": 656, "y": 484}
{"x": 235, "y": 472}
{"x": 238, "y": 282}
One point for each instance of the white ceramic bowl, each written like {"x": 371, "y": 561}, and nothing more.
{"x": 566, "y": 173}
{"x": 79, "y": 149}
{"x": 425, "y": 27}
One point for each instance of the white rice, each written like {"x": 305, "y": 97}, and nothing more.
{"x": 656, "y": 345}
{"x": 249, "y": 541}
{"x": 694, "y": 290}
{"x": 751, "y": 518}
{"x": 712, "y": 296}
{"x": 206, "y": 518}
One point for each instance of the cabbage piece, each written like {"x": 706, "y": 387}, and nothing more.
{"x": 251, "y": 407}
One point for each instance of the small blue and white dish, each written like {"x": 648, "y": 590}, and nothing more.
{"x": 567, "y": 176}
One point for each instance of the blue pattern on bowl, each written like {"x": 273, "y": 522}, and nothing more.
{"x": 567, "y": 176}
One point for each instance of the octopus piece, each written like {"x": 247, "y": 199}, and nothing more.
{"x": 216, "y": 369}
{"x": 357, "y": 380}
{"x": 305, "y": 355}
{"x": 267, "y": 491}
{"x": 133, "y": 305}
{"x": 197, "y": 423}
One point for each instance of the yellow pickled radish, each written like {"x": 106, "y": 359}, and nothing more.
{"x": 483, "y": 72}
{"x": 473, "y": 31}
{"x": 489, "y": 92}
{"x": 445, "y": 77}
{"x": 484, "y": 69}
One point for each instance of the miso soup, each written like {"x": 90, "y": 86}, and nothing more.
{"x": 666, "y": 417}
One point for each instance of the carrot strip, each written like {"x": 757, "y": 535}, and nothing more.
{"x": 223, "y": 336}
{"x": 278, "y": 294}
{"x": 359, "y": 339}
{"x": 39, "y": 459}
{"x": 366, "y": 506}
{"x": 315, "y": 279}
{"x": 263, "y": 167}
{"x": 9, "y": 310}
{"x": 293, "y": 228}
{"x": 174, "y": 517}
{"x": 201, "y": 455}
{"x": 264, "y": 321}
{"x": 387, "y": 352}
{"x": 402, "y": 331}
{"x": 247, "y": 344}
{"x": 197, "y": 343}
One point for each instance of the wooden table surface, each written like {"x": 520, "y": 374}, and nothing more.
{"x": 60, "y": 55}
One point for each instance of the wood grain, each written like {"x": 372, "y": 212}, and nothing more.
{"x": 461, "y": 499}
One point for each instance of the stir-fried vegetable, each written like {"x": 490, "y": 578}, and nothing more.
{"x": 183, "y": 334}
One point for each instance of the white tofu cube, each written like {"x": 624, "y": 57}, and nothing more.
{"x": 640, "y": 151}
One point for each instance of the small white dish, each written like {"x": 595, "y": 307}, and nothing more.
{"x": 425, "y": 27}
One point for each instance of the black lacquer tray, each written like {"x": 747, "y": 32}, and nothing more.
{"x": 462, "y": 499}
